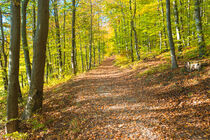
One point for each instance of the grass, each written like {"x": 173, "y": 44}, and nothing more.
{"x": 16, "y": 136}
{"x": 122, "y": 61}
{"x": 188, "y": 54}
{"x": 155, "y": 69}
{"x": 3, "y": 99}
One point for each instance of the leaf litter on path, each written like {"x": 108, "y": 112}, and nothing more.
{"x": 113, "y": 103}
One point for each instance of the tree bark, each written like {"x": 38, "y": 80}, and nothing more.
{"x": 135, "y": 33}
{"x": 91, "y": 35}
{"x": 34, "y": 18}
{"x": 125, "y": 32}
{"x": 64, "y": 36}
{"x": 188, "y": 23}
{"x": 86, "y": 57}
{"x": 163, "y": 22}
{"x": 94, "y": 55}
{"x": 131, "y": 33}
{"x": 81, "y": 54}
{"x": 198, "y": 23}
{"x": 99, "y": 43}
{"x": 178, "y": 35}
{"x": 58, "y": 38}
{"x": 99, "y": 52}
{"x": 24, "y": 41}
{"x": 3, "y": 62}
{"x": 73, "y": 53}
{"x": 170, "y": 37}
{"x": 35, "y": 97}
{"x": 13, "y": 86}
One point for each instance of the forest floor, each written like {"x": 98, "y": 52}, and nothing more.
{"x": 113, "y": 103}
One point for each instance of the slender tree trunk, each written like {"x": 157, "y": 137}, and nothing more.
{"x": 163, "y": 22}
{"x": 91, "y": 34}
{"x": 81, "y": 54}
{"x": 160, "y": 31}
{"x": 198, "y": 23}
{"x": 24, "y": 41}
{"x": 35, "y": 97}
{"x": 116, "y": 37}
{"x": 178, "y": 35}
{"x": 124, "y": 30}
{"x": 99, "y": 43}
{"x": 58, "y": 38}
{"x": 13, "y": 86}
{"x": 170, "y": 37}
{"x": 64, "y": 35}
{"x": 188, "y": 23}
{"x": 131, "y": 33}
{"x": 73, "y": 54}
{"x": 135, "y": 33}
{"x": 94, "y": 55}
{"x": 181, "y": 24}
{"x": 86, "y": 57}
{"x": 34, "y": 18}
{"x": 50, "y": 70}
{"x": 99, "y": 52}
{"x": 3, "y": 62}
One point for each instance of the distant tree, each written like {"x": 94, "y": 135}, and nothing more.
{"x": 58, "y": 35}
{"x": 25, "y": 42}
{"x": 3, "y": 56}
{"x": 91, "y": 35}
{"x": 198, "y": 23}
{"x": 134, "y": 29}
{"x": 131, "y": 32}
{"x": 34, "y": 18}
{"x": 64, "y": 35}
{"x": 13, "y": 86}
{"x": 73, "y": 53}
{"x": 170, "y": 37}
{"x": 178, "y": 34}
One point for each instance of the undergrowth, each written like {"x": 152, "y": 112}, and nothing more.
{"x": 188, "y": 54}
{"x": 155, "y": 69}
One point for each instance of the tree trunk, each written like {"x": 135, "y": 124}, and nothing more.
{"x": 163, "y": 22}
{"x": 58, "y": 38}
{"x": 73, "y": 54}
{"x": 135, "y": 33}
{"x": 188, "y": 23}
{"x": 178, "y": 35}
{"x": 99, "y": 52}
{"x": 14, "y": 51}
{"x": 91, "y": 34}
{"x": 170, "y": 37}
{"x": 35, "y": 97}
{"x": 86, "y": 57}
{"x": 182, "y": 32}
{"x": 125, "y": 32}
{"x": 34, "y": 18}
{"x": 99, "y": 43}
{"x": 64, "y": 36}
{"x": 3, "y": 62}
{"x": 198, "y": 23}
{"x": 81, "y": 55}
{"x": 94, "y": 55}
{"x": 131, "y": 34}
{"x": 24, "y": 41}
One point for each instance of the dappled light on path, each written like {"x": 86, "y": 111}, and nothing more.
{"x": 113, "y": 103}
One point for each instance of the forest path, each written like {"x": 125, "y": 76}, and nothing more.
{"x": 101, "y": 104}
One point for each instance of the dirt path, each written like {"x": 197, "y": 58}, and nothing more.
{"x": 111, "y": 103}
{"x": 103, "y": 105}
